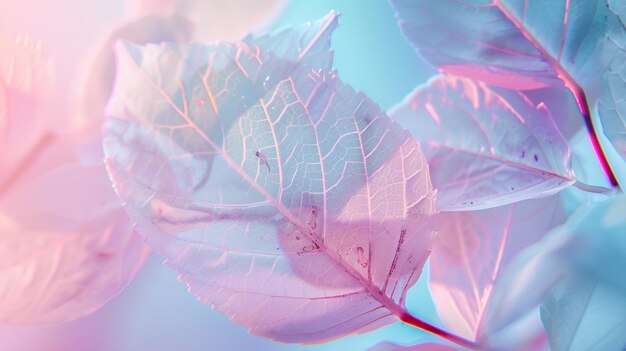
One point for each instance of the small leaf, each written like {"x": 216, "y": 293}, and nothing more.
{"x": 66, "y": 246}
{"x": 473, "y": 249}
{"x": 486, "y": 146}
{"x": 308, "y": 43}
{"x": 586, "y": 311}
{"x": 284, "y": 198}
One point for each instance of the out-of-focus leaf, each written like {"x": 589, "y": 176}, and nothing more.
{"x": 486, "y": 146}
{"x": 612, "y": 102}
{"x": 99, "y": 81}
{"x": 215, "y": 19}
{"x": 427, "y": 346}
{"x": 587, "y": 311}
{"x": 284, "y": 198}
{"x": 527, "y": 45}
{"x": 473, "y": 249}
{"x": 25, "y": 78}
{"x": 66, "y": 246}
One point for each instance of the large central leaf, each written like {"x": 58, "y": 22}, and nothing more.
{"x": 284, "y": 198}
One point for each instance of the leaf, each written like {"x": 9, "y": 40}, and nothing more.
{"x": 283, "y": 198}
{"x": 66, "y": 245}
{"x": 586, "y": 311}
{"x": 25, "y": 78}
{"x": 96, "y": 89}
{"x": 612, "y": 104}
{"x": 473, "y": 249}
{"x": 486, "y": 146}
{"x": 61, "y": 260}
{"x": 527, "y": 45}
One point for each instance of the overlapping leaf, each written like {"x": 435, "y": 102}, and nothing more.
{"x": 62, "y": 259}
{"x": 526, "y": 45}
{"x": 66, "y": 246}
{"x": 586, "y": 311}
{"x": 473, "y": 249}
{"x": 485, "y": 146}
{"x": 284, "y": 198}
{"x": 612, "y": 102}
{"x": 25, "y": 78}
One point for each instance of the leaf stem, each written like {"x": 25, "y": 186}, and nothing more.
{"x": 594, "y": 189}
{"x": 418, "y": 323}
{"x": 25, "y": 163}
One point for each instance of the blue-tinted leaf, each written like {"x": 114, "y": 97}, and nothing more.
{"x": 612, "y": 102}
{"x": 528, "y": 44}
{"x": 587, "y": 311}
{"x": 472, "y": 251}
{"x": 486, "y": 146}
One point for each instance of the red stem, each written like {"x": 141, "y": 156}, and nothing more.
{"x": 416, "y": 322}
{"x": 583, "y": 106}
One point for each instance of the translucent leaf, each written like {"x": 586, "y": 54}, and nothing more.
{"x": 510, "y": 43}
{"x": 284, "y": 198}
{"x": 60, "y": 260}
{"x": 312, "y": 41}
{"x": 486, "y": 146}
{"x": 473, "y": 249}
{"x": 586, "y": 311}
{"x": 528, "y": 44}
{"x": 98, "y": 84}
{"x": 308, "y": 43}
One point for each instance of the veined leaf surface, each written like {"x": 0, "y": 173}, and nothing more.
{"x": 486, "y": 146}
{"x": 284, "y": 198}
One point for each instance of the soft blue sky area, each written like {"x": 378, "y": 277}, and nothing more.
{"x": 156, "y": 313}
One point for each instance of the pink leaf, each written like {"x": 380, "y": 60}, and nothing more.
{"x": 66, "y": 246}
{"x": 284, "y": 198}
{"x": 473, "y": 249}
{"x": 25, "y": 78}
{"x": 486, "y": 146}
{"x": 527, "y": 45}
